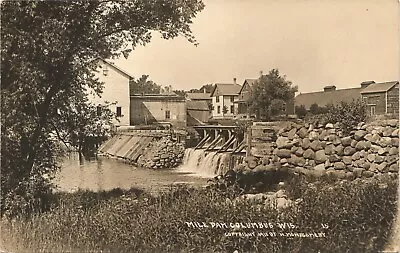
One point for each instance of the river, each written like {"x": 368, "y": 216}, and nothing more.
{"x": 107, "y": 173}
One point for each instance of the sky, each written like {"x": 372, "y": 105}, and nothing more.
{"x": 313, "y": 42}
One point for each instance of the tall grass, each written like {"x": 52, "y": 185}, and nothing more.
{"x": 359, "y": 215}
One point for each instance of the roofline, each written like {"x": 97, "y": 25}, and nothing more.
{"x": 368, "y": 92}
{"x": 215, "y": 87}
{"x": 118, "y": 69}
{"x": 313, "y": 92}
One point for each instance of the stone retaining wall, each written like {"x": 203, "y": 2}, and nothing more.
{"x": 161, "y": 154}
{"x": 370, "y": 149}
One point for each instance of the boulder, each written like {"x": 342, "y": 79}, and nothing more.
{"x": 324, "y": 135}
{"x": 379, "y": 159}
{"x": 356, "y": 156}
{"x": 349, "y": 150}
{"x": 339, "y": 150}
{"x": 334, "y": 158}
{"x": 383, "y": 167}
{"x": 320, "y": 156}
{"x": 383, "y": 151}
{"x": 299, "y": 151}
{"x": 394, "y": 168}
{"x": 346, "y": 141}
{"x": 347, "y": 160}
{"x": 292, "y": 133}
{"x": 368, "y": 174}
{"x": 306, "y": 144}
{"x": 353, "y": 143}
{"x": 339, "y": 166}
{"x": 385, "y": 141}
{"x": 330, "y": 149}
{"x": 313, "y": 135}
{"x": 362, "y": 145}
{"x": 395, "y": 142}
{"x": 358, "y": 172}
{"x": 393, "y": 151}
{"x": 302, "y": 133}
{"x": 395, "y": 133}
{"x": 387, "y": 131}
{"x": 371, "y": 157}
{"x": 282, "y": 142}
{"x": 359, "y": 134}
{"x": 309, "y": 154}
{"x": 297, "y": 161}
{"x": 284, "y": 153}
{"x": 316, "y": 145}
{"x": 329, "y": 125}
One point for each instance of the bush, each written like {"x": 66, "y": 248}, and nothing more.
{"x": 348, "y": 115}
{"x": 359, "y": 215}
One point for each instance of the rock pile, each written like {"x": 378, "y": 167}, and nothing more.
{"x": 370, "y": 149}
{"x": 162, "y": 154}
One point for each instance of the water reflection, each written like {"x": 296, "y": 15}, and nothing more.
{"x": 106, "y": 174}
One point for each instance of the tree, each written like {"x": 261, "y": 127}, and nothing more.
{"x": 300, "y": 111}
{"x": 269, "y": 93}
{"x": 143, "y": 86}
{"x": 48, "y": 54}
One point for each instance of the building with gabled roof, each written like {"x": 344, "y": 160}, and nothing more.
{"x": 382, "y": 98}
{"x": 115, "y": 90}
{"x": 223, "y": 97}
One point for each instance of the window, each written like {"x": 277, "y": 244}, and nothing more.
{"x": 232, "y": 98}
{"x": 373, "y": 110}
{"x": 119, "y": 111}
{"x": 217, "y": 99}
{"x": 167, "y": 114}
{"x": 219, "y": 109}
{"x": 232, "y": 109}
{"x": 98, "y": 110}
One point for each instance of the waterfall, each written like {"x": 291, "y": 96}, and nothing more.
{"x": 204, "y": 163}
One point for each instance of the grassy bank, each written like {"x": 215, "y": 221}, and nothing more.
{"x": 350, "y": 217}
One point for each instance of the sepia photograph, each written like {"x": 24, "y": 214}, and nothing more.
{"x": 200, "y": 126}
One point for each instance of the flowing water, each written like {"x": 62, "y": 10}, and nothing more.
{"x": 107, "y": 173}
{"x": 204, "y": 164}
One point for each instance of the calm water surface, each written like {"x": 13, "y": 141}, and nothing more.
{"x": 107, "y": 173}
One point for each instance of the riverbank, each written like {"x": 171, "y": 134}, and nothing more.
{"x": 341, "y": 216}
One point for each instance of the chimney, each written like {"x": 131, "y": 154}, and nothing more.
{"x": 234, "y": 80}
{"x": 365, "y": 84}
{"x": 261, "y": 73}
{"x": 329, "y": 88}
{"x": 204, "y": 90}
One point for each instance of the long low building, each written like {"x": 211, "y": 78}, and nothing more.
{"x": 381, "y": 98}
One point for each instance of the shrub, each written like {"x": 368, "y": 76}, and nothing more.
{"x": 347, "y": 114}
{"x": 359, "y": 215}
{"x": 301, "y": 111}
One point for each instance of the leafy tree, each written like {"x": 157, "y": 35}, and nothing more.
{"x": 48, "y": 54}
{"x": 314, "y": 109}
{"x": 143, "y": 86}
{"x": 300, "y": 111}
{"x": 269, "y": 94}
